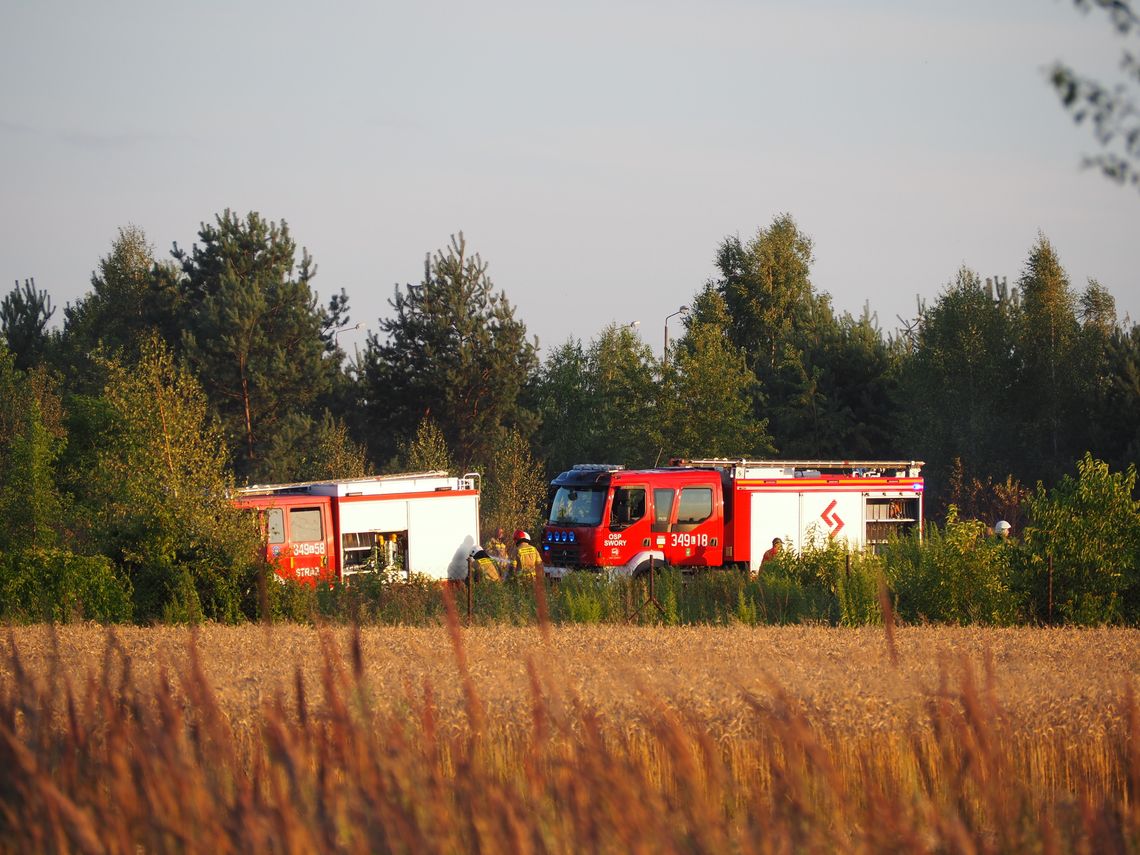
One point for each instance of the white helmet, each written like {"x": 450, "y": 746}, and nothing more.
{"x": 1002, "y": 528}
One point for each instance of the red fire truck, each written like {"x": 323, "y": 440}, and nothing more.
{"x": 714, "y": 513}
{"x": 425, "y": 523}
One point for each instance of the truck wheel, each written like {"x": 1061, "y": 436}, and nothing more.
{"x": 643, "y": 569}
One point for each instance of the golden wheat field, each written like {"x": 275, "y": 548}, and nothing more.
{"x": 573, "y": 738}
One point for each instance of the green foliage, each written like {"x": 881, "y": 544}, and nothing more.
{"x": 130, "y": 300}
{"x": 782, "y": 598}
{"x": 766, "y": 286}
{"x": 623, "y": 417}
{"x": 509, "y": 602}
{"x": 182, "y": 603}
{"x": 860, "y": 376}
{"x": 1002, "y": 386}
{"x": 30, "y": 506}
{"x": 453, "y": 351}
{"x": 586, "y": 598}
{"x": 714, "y": 596}
{"x": 1113, "y": 397}
{"x": 307, "y": 449}
{"x": 958, "y": 382}
{"x": 600, "y": 405}
{"x": 1049, "y": 370}
{"x": 253, "y": 335}
{"x": 333, "y": 453}
{"x": 827, "y": 583}
{"x": 24, "y": 315}
{"x": 708, "y": 398}
{"x": 514, "y": 489}
{"x": 291, "y": 601}
{"x": 1110, "y": 109}
{"x": 957, "y": 574}
{"x": 824, "y": 383}
{"x": 157, "y": 499}
{"x": 857, "y": 591}
{"x": 427, "y": 451}
{"x": 562, "y": 396}
{"x": 31, "y": 440}
{"x": 58, "y": 586}
{"x": 1089, "y": 527}
{"x": 365, "y": 598}
{"x": 745, "y": 609}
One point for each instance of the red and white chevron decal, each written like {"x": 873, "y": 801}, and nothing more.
{"x": 834, "y": 523}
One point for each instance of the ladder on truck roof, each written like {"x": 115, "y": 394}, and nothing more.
{"x": 467, "y": 481}
{"x": 801, "y": 468}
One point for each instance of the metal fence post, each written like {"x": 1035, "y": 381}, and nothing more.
{"x": 651, "y": 599}
{"x": 470, "y": 588}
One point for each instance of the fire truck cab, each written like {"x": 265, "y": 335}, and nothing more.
{"x": 607, "y": 516}
{"x": 712, "y": 513}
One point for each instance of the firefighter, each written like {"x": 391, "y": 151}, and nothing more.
{"x": 1002, "y": 530}
{"x": 497, "y": 549}
{"x": 528, "y": 558}
{"x": 483, "y": 567}
{"x": 777, "y": 545}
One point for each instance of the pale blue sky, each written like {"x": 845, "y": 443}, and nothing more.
{"x": 594, "y": 153}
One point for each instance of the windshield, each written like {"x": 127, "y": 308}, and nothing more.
{"x": 577, "y": 506}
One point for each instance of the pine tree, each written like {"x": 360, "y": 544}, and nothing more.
{"x": 253, "y": 333}
{"x": 453, "y": 351}
{"x": 24, "y": 315}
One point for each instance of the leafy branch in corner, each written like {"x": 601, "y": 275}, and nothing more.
{"x": 1110, "y": 109}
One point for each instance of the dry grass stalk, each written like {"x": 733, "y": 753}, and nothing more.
{"x": 180, "y": 742}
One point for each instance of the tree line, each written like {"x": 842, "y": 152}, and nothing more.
{"x": 177, "y": 377}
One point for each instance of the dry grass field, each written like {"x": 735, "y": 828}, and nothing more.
{"x": 576, "y": 738}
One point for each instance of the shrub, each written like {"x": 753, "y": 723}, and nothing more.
{"x": 55, "y": 585}
{"x": 1089, "y": 526}
{"x": 957, "y": 574}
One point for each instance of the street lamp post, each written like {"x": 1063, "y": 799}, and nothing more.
{"x": 683, "y": 311}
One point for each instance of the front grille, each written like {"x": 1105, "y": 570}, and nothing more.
{"x": 563, "y": 555}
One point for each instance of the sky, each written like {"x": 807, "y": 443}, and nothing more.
{"x": 594, "y": 153}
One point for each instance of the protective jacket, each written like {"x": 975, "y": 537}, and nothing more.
{"x": 529, "y": 560}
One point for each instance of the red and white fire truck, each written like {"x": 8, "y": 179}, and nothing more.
{"x": 425, "y": 523}
{"x": 715, "y": 513}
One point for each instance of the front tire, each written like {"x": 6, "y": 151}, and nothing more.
{"x": 643, "y": 569}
